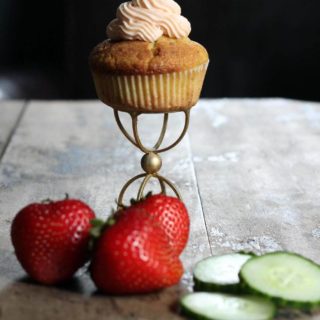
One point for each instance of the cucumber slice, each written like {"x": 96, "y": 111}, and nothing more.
{"x": 215, "y": 306}
{"x": 288, "y": 279}
{"x": 220, "y": 273}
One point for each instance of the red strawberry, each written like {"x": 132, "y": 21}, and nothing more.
{"x": 51, "y": 239}
{"x": 172, "y": 216}
{"x": 133, "y": 256}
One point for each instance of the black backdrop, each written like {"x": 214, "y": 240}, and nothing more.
{"x": 257, "y": 47}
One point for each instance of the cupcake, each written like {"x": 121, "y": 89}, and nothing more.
{"x": 148, "y": 63}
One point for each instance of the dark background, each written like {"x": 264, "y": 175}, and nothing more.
{"x": 258, "y": 48}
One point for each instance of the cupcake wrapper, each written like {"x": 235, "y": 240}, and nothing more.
{"x": 151, "y": 93}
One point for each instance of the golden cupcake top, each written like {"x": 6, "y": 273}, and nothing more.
{"x": 148, "y": 20}
{"x": 166, "y": 55}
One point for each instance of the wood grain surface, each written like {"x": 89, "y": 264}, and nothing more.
{"x": 10, "y": 113}
{"x": 249, "y": 172}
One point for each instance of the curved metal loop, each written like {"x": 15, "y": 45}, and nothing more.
{"x": 162, "y": 181}
{"x": 147, "y": 177}
{"x": 125, "y": 188}
{"x": 137, "y": 142}
{"x": 171, "y": 185}
{"x": 163, "y": 132}
{"x": 123, "y": 129}
{"x": 164, "y": 128}
{"x": 162, "y": 185}
{"x": 143, "y": 186}
{"x": 183, "y": 133}
{"x": 137, "y": 138}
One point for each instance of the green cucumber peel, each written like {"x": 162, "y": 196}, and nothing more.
{"x": 288, "y": 279}
{"x": 220, "y": 273}
{"x": 215, "y": 306}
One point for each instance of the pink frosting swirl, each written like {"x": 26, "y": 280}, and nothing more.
{"x": 148, "y": 20}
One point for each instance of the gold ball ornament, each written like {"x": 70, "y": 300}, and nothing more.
{"x": 151, "y": 163}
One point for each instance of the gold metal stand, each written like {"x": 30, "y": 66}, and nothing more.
{"x": 151, "y": 162}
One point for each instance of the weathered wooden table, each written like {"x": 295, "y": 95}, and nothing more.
{"x": 249, "y": 172}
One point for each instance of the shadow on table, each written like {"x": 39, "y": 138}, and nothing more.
{"x": 26, "y": 300}
{"x": 22, "y": 298}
